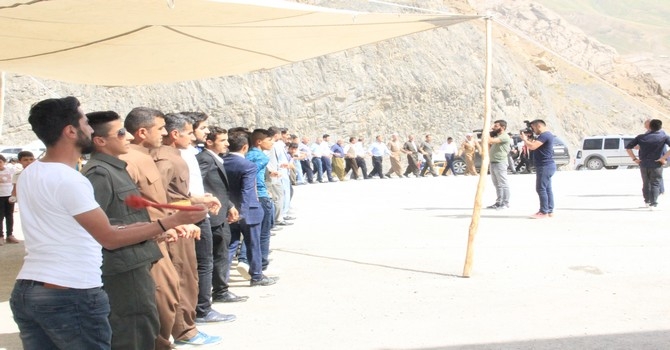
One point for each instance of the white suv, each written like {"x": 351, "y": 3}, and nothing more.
{"x": 607, "y": 152}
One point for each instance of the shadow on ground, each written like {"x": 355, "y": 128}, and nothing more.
{"x": 623, "y": 341}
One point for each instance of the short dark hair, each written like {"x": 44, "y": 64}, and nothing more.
{"x": 141, "y": 117}
{"x": 352, "y": 139}
{"x": 99, "y": 121}
{"x": 501, "y": 123}
{"x": 538, "y": 121}
{"x": 292, "y": 145}
{"x": 24, "y": 154}
{"x": 49, "y": 117}
{"x": 214, "y": 131}
{"x": 176, "y": 121}
{"x": 3, "y": 159}
{"x": 325, "y": 136}
{"x": 450, "y": 138}
{"x": 237, "y": 140}
{"x": 196, "y": 118}
{"x": 258, "y": 134}
{"x": 655, "y": 125}
{"x": 275, "y": 130}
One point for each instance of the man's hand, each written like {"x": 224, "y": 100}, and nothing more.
{"x": 190, "y": 217}
{"x": 188, "y": 231}
{"x": 233, "y": 215}
{"x": 212, "y": 203}
{"x": 169, "y": 236}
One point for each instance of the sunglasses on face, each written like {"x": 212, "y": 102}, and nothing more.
{"x": 121, "y": 133}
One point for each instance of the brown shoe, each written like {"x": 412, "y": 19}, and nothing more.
{"x": 12, "y": 240}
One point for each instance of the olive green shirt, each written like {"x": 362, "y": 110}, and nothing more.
{"x": 499, "y": 151}
{"x": 111, "y": 185}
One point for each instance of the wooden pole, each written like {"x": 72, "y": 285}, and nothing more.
{"x": 476, "y": 211}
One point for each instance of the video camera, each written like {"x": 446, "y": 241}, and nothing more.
{"x": 528, "y": 130}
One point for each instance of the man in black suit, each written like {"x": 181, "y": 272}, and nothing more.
{"x": 215, "y": 181}
{"x": 242, "y": 188}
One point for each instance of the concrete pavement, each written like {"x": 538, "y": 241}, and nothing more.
{"x": 376, "y": 265}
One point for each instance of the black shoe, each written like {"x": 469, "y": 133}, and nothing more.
{"x": 264, "y": 281}
{"x": 229, "y": 297}
{"x": 494, "y": 206}
{"x": 215, "y": 316}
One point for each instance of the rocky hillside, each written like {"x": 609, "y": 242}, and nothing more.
{"x": 431, "y": 82}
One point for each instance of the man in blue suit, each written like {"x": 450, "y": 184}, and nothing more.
{"x": 242, "y": 189}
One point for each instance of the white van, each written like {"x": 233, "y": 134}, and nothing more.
{"x": 608, "y": 151}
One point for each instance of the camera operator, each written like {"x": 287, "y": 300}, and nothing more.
{"x": 499, "y": 144}
{"x": 545, "y": 167}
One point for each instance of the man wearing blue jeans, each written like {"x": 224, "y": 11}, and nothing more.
{"x": 261, "y": 141}
{"x": 545, "y": 167}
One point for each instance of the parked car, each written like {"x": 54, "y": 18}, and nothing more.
{"x": 10, "y": 152}
{"x": 36, "y": 147}
{"x": 561, "y": 156}
{"x": 604, "y": 151}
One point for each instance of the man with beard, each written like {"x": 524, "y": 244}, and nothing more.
{"x": 63, "y": 223}
{"x": 148, "y": 128}
{"x": 499, "y": 144}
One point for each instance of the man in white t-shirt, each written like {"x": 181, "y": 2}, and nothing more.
{"x": 57, "y": 300}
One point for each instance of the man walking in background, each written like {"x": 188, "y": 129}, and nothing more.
{"x": 651, "y": 165}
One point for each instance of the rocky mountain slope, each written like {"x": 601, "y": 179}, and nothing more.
{"x": 430, "y": 82}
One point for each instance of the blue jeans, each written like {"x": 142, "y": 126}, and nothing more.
{"x": 318, "y": 168}
{"x": 543, "y": 176}
{"x": 61, "y": 318}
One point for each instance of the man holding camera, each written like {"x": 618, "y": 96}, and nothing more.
{"x": 499, "y": 144}
{"x": 545, "y": 167}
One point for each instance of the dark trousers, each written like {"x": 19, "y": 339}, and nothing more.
{"x": 307, "y": 170}
{"x": 268, "y": 216}
{"x": 449, "y": 157}
{"x": 360, "y": 161}
{"x": 203, "y": 254}
{"x": 220, "y": 258}
{"x": 651, "y": 184}
{"x": 428, "y": 165}
{"x": 377, "y": 167}
{"x": 252, "y": 236}
{"x": 6, "y": 215}
{"x": 133, "y": 316}
{"x": 350, "y": 164}
{"x": 411, "y": 166}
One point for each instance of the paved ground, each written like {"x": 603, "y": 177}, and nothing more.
{"x": 376, "y": 265}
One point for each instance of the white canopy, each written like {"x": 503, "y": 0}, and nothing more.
{"x": 134, "y": 42}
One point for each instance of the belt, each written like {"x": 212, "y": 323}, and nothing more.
{"x": 43, "y": 284}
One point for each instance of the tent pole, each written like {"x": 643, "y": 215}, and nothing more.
{"x": 476, "y": 212}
